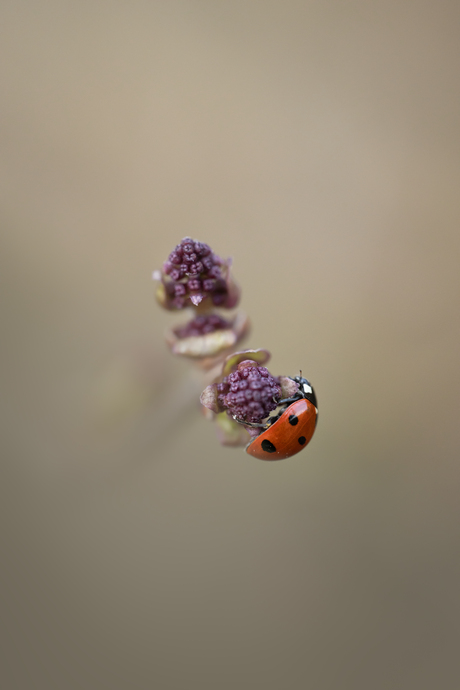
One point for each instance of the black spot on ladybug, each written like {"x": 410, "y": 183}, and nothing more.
{"x": 268, "y": 446}
{"x": 301, "y": 440}
{"x": 293, "y": 419}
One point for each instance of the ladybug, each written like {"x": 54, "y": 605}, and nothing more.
{"x": 289, "y": 431}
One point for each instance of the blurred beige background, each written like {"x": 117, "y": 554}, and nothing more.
{"x": 317, "y": 144}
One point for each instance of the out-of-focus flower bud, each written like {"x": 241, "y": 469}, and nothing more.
{"x": 207, "y": 336}
{"x": 193, "y": 275}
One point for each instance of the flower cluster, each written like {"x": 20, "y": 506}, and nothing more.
{"x": 202, "y": 325}
{"x": 250, "y": 393}
{"x": 193, "y": 275}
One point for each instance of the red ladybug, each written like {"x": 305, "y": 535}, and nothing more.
{"x": 291, "y": 430}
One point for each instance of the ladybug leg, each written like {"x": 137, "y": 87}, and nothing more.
{"x": 286, "y": 400}
{"x": 257, "y": 426}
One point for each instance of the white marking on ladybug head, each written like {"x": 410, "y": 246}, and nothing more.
{"x": 307, "y": 389}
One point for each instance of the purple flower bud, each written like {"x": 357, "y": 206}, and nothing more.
{"x": 196, "y": 268}
{"x": 215, "y": 272}
{"x": 208, "y": 284}
{"x": 207, "y": 263}
{"x": 194, "y": 284}
{"x": 176, "y": 256}
{"x": 201, "y": 249}
{"x": 195, "y": 260}
{"x": 256, "y": 384}
{"x": 180, "y": 290}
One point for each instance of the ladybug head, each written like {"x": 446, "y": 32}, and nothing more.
{"x": 306, "y": 389}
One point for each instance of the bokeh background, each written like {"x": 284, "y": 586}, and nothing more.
{"x": 318, "y": 145}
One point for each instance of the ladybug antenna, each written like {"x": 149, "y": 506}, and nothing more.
{"x": 300, "y": 373}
